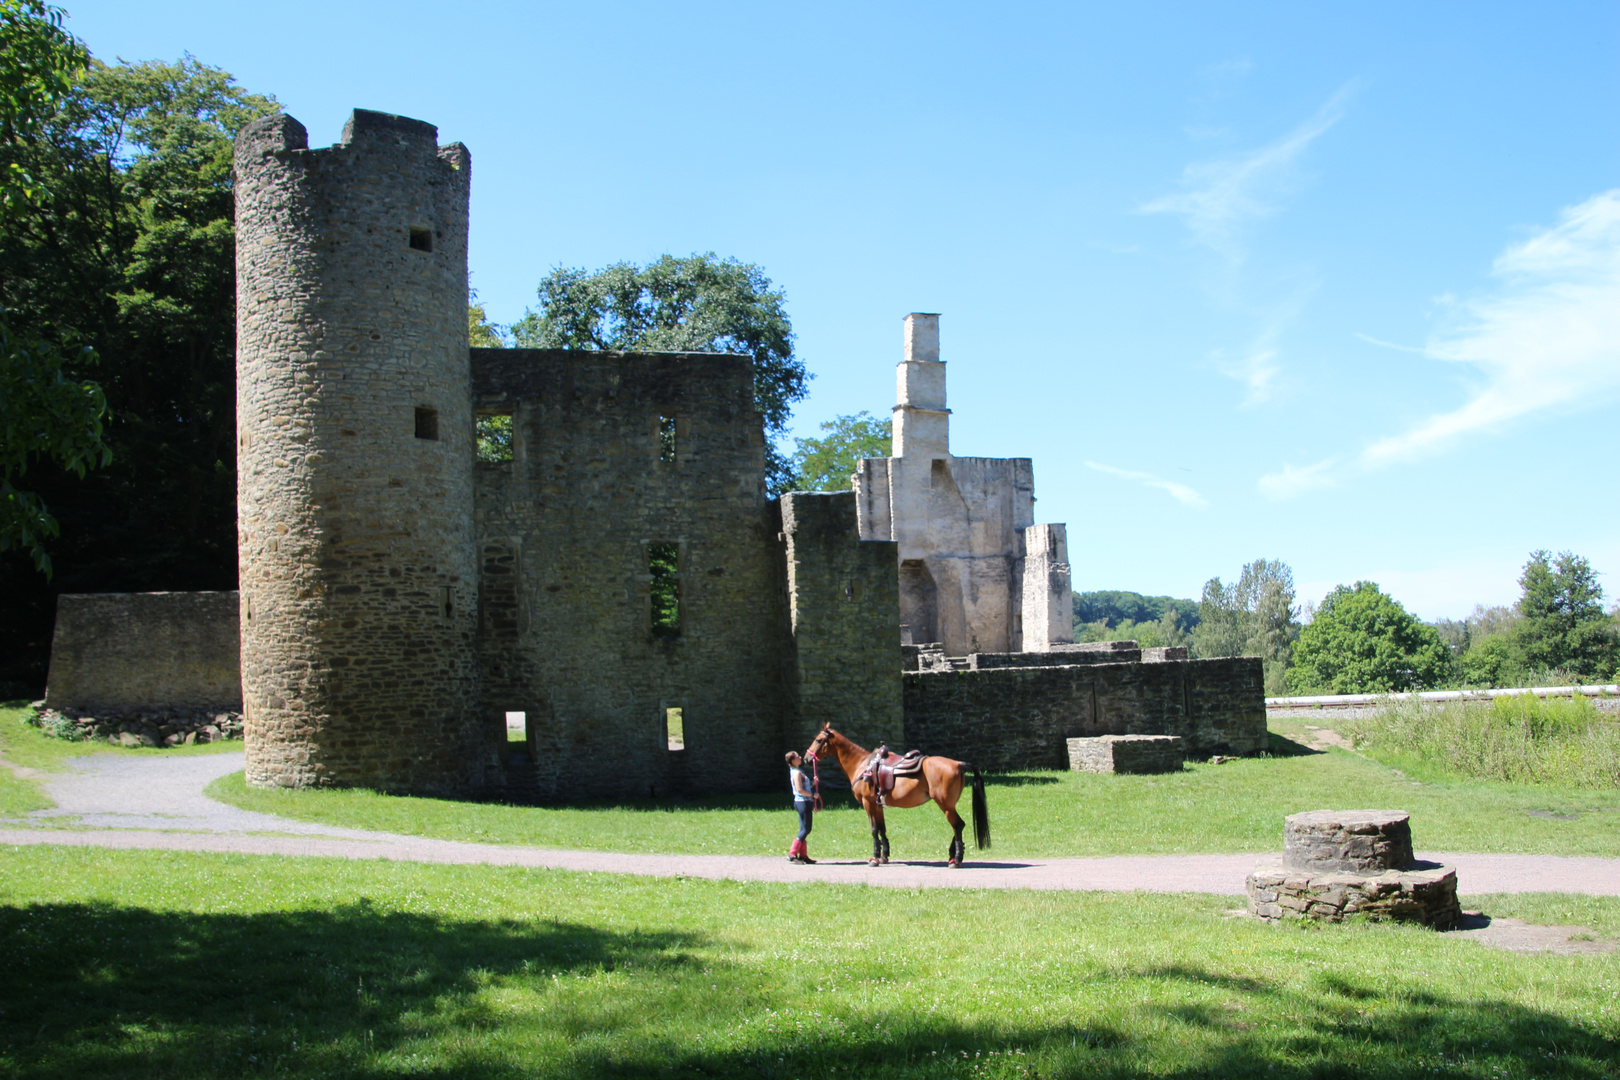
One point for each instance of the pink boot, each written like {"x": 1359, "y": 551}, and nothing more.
{"x": 796, "y": 851}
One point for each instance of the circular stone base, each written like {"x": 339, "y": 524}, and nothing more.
{"x": 1349, "y": 841}
{"x": 1428, "y": 896}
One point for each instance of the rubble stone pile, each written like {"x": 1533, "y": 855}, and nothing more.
{"x": 1353, "y": 862}
{"x": 157, "y": 727}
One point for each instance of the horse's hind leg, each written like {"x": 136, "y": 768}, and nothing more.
{"x": 958, "y": 850}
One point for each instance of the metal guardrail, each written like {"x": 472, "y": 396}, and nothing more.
{"x": 1326, "y": 700}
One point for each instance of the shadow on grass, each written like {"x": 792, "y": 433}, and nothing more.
{"x": 358, "y": 992}
{"x": 1282, "y": 746}
{"x": 1029, "y": 779}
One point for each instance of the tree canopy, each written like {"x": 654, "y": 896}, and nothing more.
{"x": 828, "y": 463}
{"x": 1563, "y": 626}
{"x": 1254, "y": 616}
{"x": 1363, "y": 641}
{"x": 700, "y": 303}
{"x": 127, "y": 259}
{"x": 45, "y": 414}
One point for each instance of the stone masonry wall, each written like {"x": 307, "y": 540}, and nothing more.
{"x": 1019, "y": 718}
{"x": 354, "y": 467}
{"x": 844, "y": 615}
{"x": 564, "y": 530}
{"x": 145, "y": 650}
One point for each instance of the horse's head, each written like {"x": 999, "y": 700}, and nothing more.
{"x": 819, "y": 743}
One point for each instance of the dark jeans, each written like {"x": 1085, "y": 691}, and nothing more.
{"x": 807, "y": 811}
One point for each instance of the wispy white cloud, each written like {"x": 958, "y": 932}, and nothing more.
{"x": 1295, "y": 480}
{"x": 1548, "y": 339}
{"x": 1180, "y": 492}
{"x": 1221, "y": 196}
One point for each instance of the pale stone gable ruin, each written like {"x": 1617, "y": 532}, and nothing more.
{"x": 976, "y": 573}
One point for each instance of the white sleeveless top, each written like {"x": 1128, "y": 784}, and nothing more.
{"x": 798, "y": 784}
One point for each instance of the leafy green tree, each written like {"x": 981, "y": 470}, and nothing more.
{"x": 1254, "y": 616}
{"x": 1363, "y": 641}
{"x": 1491, "y": 660}
{"x": 129, "y": 250}
{"x": 827, "y": 463}
{"x": 41, "y": 61}
{"x": 481, "y": 333}
{"x": 1564, "y": 627}
{"x": 696, "y": 304}
{"x": 45, "y": 415}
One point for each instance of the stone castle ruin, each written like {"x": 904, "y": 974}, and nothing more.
{"x": 622, "y": 580}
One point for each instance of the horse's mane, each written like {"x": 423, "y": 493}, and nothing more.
{"x": 837, "y": 736}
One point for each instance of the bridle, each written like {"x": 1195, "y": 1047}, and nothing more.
{"x": 819, "y": 742}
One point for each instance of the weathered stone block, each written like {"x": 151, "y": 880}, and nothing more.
{"x": 1127, "y": 754}
{"x": 1356, "y": 841}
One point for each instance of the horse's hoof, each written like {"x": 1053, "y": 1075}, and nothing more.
{"x": 871, "y": 862}
{"x": 954, "y": 865}
{"x": 883, "y": 861}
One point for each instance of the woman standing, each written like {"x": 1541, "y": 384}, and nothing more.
{"x": 804, "y": 801}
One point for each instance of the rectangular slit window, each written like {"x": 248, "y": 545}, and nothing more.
{"x": 517, "y": 727}
{"x": 666, "y": 438}
{"x": 447, "y": 601}
{"x": 663, "y": 563}
{"x": 495, "y": 438}
{"x": 674, "y": 729}
{"x": 427, "y": 422}
{"x": 421, "y": 239}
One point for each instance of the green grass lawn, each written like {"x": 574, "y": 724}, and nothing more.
{"x": 1235, "y": 807}
{"x": 161, "y": 964}
{"x": 26, "y": 747}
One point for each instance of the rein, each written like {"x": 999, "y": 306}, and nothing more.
{"x": 815, "y": 782}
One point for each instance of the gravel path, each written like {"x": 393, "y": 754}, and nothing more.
{"x": 158, "y": 803}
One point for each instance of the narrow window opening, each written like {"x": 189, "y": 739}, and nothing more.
{"x": 674, "y": 729}
{"x": 495, "y": 438}
{"x": 517, "y": 727}
{"x": 663, "y": 563}
{"x": 666, "y": 438}
{"x": 447, "y": 601}
{"x": 427, "y": 422}
{"x": 421, "y": 239}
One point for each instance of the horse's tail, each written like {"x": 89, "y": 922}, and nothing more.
{"x": 981, "y": 812}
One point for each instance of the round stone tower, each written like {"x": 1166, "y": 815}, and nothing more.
{"x": 355, "y": 458}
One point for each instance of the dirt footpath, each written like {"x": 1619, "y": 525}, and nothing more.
{"x": 158, "y": 803}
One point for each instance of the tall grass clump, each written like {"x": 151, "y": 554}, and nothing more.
{"x": 1522, "y": 739}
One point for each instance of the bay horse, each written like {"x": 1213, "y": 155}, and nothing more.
{"x": 941, "y": 780}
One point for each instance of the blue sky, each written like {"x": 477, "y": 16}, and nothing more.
{"x": 1335, "y": 284}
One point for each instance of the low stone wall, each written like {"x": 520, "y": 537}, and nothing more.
{"x": 145, "y": 651}
{"x": 1127, "y": 754}
{"x": 1020, "y": 717}
{"x": 1425, "y": 894}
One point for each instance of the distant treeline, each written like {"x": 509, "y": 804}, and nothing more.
{"x": 1114, "y": 607}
